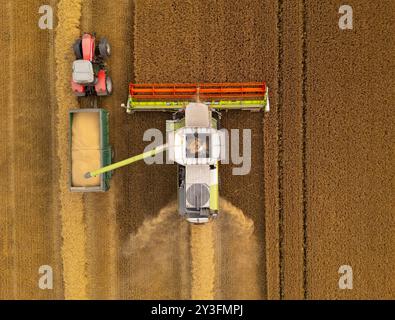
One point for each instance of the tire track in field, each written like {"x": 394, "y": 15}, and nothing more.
{"x": 271, "y": 157}
{"x": 280, "y": 147}
{"x": 304, "y": 149}
{"x": 71, "y": 205}
{"x": 290, "y": 158}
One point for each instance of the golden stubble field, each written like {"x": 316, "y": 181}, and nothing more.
{"x": 320, "y": 193}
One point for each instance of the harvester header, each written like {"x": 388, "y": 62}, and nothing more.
{"x": 220, "y": 96}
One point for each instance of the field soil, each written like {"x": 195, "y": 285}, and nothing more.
{"x": 320, "y": 191}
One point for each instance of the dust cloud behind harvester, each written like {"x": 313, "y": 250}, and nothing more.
{"x": 170, "y": 259}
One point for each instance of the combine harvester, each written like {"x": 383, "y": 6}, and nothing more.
{"x": 194, "y": 141}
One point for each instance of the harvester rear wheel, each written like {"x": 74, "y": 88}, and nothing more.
{"x": 217, "y": 116}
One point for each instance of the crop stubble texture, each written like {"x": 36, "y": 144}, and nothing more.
{"x": 29, "y": 220}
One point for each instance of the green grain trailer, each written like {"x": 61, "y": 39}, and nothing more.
{"x": 88, "y": 146}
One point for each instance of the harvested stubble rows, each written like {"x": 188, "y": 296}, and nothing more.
{"x": 29, "y": 220}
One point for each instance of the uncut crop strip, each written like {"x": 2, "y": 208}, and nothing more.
{"x": 349, "y": 150}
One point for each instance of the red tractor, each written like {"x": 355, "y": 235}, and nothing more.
{"x": 89, "y": 69}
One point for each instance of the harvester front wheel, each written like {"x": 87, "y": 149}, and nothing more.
{"x": 104, "y": 48}
{"x": 77, "y": 47}
{"x": 217, "y": 116}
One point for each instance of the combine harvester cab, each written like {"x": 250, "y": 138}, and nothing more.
{"x": 89, "y": 148}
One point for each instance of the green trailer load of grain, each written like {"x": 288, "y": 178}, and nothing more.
{"x": 89, "y": 149}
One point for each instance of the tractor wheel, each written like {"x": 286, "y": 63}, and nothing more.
{"x": 104, "y": 48}
{"x": 109, "y": 85}
{"x": 77, "y": 47}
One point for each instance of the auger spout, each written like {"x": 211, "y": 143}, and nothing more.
{"x": 126, "y": 162}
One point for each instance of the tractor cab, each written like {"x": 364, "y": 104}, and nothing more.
{"x": 83, "y": 72}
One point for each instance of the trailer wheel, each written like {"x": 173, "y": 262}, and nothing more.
{"x": 108, "y": 85}
{"x": 77, "y": 47}
{"x": 104, "y": 48}
{"x": 112, "y": 160}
